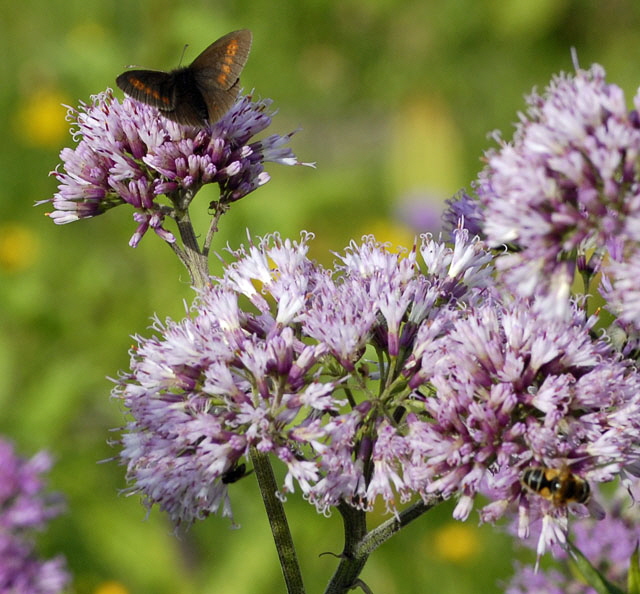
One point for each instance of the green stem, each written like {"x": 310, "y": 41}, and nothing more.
{"x": 387, "y": 529}
{"x": 383, "y": 373}
{"x": 359, "y": 544}
{"x": 350, "y": 566}
{"x": 194, "y": 260}
{"x": 218, "y": 210}
{"x": 278, "y": 522}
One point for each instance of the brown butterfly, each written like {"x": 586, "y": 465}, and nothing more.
{"x": 200, "y": 93}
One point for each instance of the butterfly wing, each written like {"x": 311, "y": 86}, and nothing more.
{"x": 220, "y": 65}
{"x": 152, "y": 87}
{"x": 217, "y": 72}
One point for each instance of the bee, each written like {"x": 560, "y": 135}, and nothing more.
{"x": 558, "y": 485}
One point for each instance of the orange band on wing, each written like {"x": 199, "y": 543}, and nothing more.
{"x": 147, "y": 90}
{"x": 225, "y": 67}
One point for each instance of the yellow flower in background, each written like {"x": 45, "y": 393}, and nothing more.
{"x": 111, "y": 587}
{"x": 41, "y": 118}
{"x": 456, "y": 542}
{"x": 398, "y": 235}
{"x": 18, "y": 247}
{"x": 425, "y": 149}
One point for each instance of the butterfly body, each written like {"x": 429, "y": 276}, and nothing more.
{"x": 199, "y": 94}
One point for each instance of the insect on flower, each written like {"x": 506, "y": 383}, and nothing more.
{"x": 235, "y": 473}
{"x": 558, "y": 485}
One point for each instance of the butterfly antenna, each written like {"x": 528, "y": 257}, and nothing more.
{"x": 184, "y": 49}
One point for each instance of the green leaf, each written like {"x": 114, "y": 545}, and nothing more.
{"x": 633, "y": 579}
{"x": 591, "y": 575}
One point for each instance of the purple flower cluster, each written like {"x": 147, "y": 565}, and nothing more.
{"x": 608, "y": 545}
{"x": 24, "y": 509}
{"x": 390, "y": 376}
{"x": 569, "y": 183}
{"x": 514, "y": 390}
{"x": 275, "y": 355}
{"x": 129, "y": 154}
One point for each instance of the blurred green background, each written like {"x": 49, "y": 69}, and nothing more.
{"x": 394, "y": 100}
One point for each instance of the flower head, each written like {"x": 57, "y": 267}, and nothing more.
{"x": 567, "y": 183}
{"x": 129, "y": 154}
{"x": 274, "y": 356}
{"x": 25, "y": 509}
{"x": 509, "y": 390}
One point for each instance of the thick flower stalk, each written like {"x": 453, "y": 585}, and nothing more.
{"x": 389, "y": 377}
{"x": 127, "y": 153}
{"x": 568, "y": 184}
{"x": 24, "y": 510}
